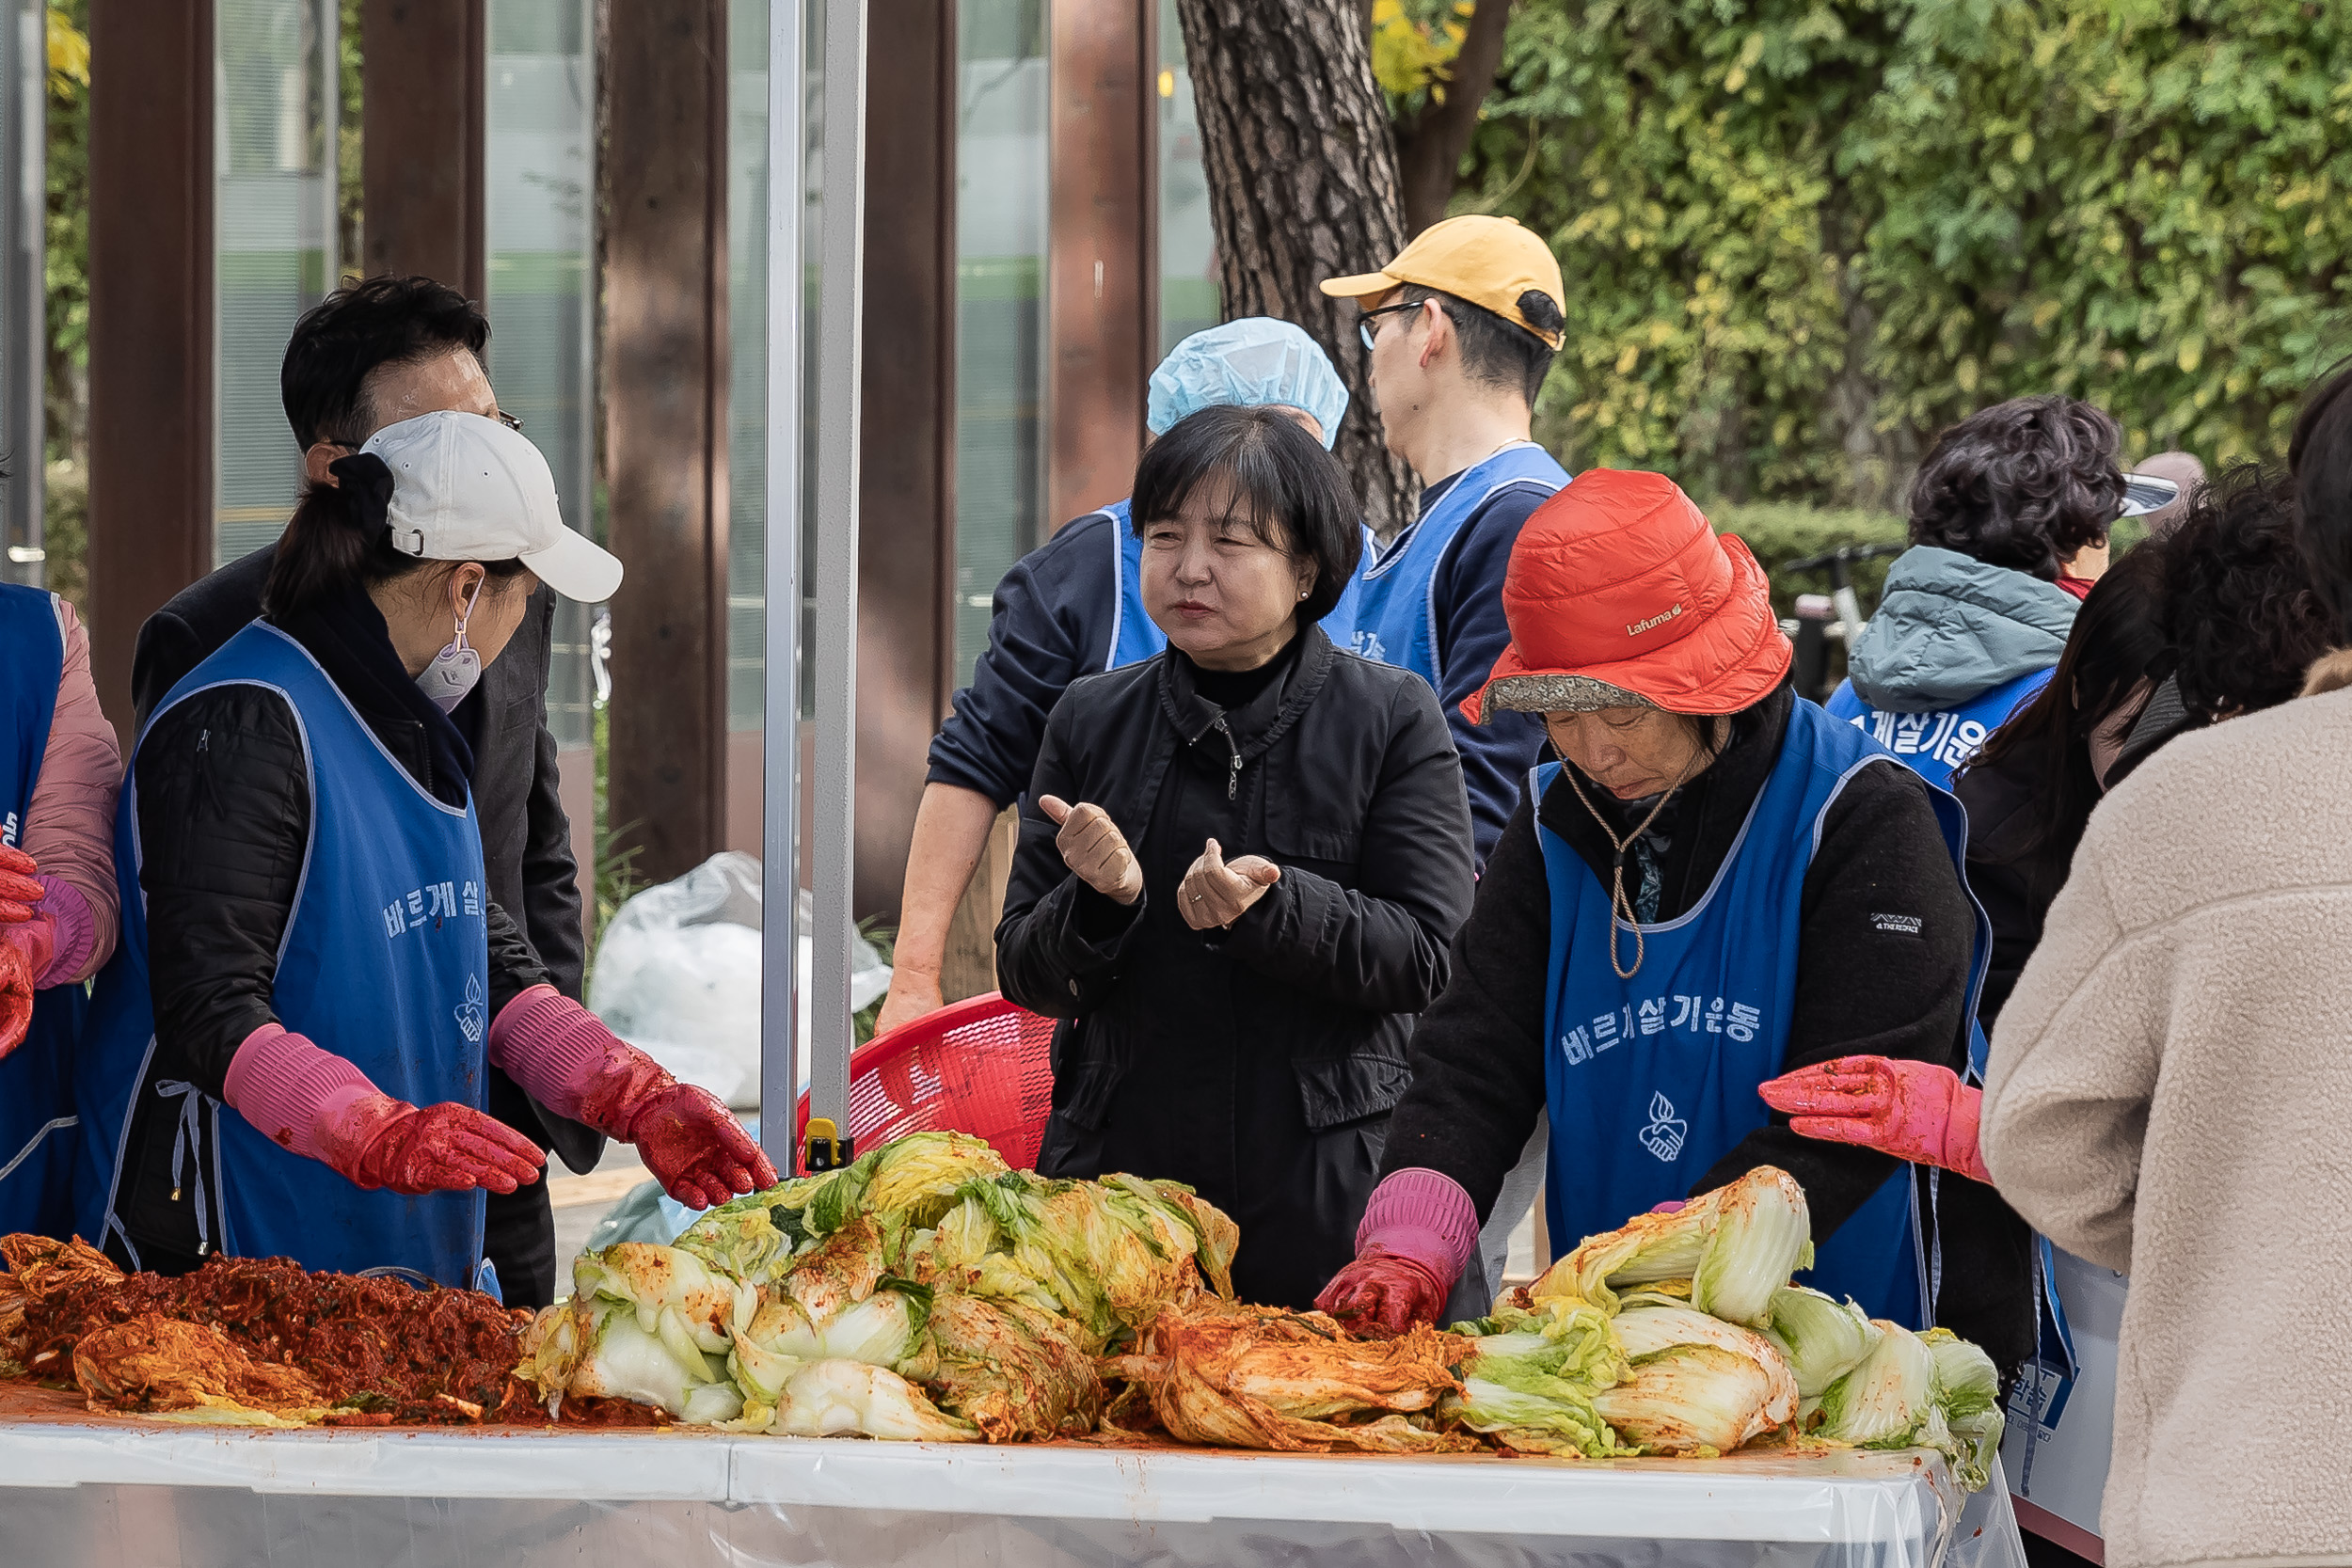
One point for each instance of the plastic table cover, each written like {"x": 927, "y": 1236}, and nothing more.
{"x": 135, "y": 1494}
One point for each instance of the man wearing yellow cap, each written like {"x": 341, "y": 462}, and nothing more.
{"x": 1461, "y": 328}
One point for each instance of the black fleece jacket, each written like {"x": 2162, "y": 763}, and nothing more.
{"x": 1865, "y": 986}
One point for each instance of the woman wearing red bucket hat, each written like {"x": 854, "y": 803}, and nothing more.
{"x": 1717, "y": 882}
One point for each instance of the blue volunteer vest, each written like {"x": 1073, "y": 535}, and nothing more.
{"x": 385, "y": 963}
{"x": 1394, "y": 619}
{"x": 36, "y": 1079}
{"x": 1651, "y": 1080}
{"x": 1134, "y": 636}
{"x": 1936, "y": 743}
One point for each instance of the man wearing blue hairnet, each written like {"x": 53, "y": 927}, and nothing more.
{"x": 1071, "y": 607}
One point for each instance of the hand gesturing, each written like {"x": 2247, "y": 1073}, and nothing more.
{"x": 1094, "y": 849}
{"x": 1216, "y": 894}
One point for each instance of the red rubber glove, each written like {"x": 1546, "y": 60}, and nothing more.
{"x": 320, "y": 1107}
{"x": 1915, "y": 1111}
{"x": 382, "y": 1142}
{"x": 19, "y": 892}
{"x": 1384, "y": 1293}
{"x": 16, "y": 996}
{"x": 569, "y": 1061}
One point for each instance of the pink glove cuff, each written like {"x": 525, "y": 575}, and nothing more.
{"x": 293, "y": 1091}
{"x": 1425, "y": 1215}
{"x": 71, "y": 927}
{"x": 553, "y": 1046}
{"x": 1962, "y": 1153}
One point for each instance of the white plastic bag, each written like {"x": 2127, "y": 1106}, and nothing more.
{"x": 677, "y": 976}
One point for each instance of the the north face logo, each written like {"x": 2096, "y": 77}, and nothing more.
{"x": 1666, "y": 1131}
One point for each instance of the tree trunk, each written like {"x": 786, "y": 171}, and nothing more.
{"x": 1429, "y": 146}
{"x": 1302, "y": 186}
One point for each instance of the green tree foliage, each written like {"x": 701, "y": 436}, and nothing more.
{"x": 1803, "y": 235}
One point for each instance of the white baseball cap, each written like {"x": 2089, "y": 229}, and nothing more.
{"x": 469, "y": 488}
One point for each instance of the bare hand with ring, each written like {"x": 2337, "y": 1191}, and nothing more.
{"x": 1094, "y": 849}
{"x": 1214, "y": 894}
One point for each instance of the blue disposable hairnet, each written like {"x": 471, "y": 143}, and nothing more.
{"x": 1249, "y": 363}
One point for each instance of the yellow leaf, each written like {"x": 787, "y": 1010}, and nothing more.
{"x": 2044, "y": 314}
{"x": 2021, "y": 148}
{"x": 1736, "y": 78}
{"x": 1752, "y": 49}
{"x": 1964, "y": 373}
{"x": 1630, "y": 357}
{"x": 2192, "y": 354}
{"x": 68, "y": 51}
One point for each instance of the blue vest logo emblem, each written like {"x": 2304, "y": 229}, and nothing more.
{"x": 470, "y": 1014}
{"x": 1664, "y": 1135}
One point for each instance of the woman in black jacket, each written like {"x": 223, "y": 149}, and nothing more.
{"x": 288, "y": 1056}
{"x": 1268, "y": 851}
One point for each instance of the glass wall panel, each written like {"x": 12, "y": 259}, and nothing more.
{"x": 1001, "y": 319}
{"x": 540, "y": 170}
{"x": 1188, "y": 287}
{"x": 274, "y": 134}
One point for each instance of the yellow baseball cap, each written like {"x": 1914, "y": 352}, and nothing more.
{"x": 1492, "y": 262}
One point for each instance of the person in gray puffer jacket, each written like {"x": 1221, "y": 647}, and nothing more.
{"x": 1974, "y": 616}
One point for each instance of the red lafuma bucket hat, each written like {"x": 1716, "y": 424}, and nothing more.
{"x": 1620, "y": 594}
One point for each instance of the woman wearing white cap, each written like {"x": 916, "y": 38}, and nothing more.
{"x": 287, "y": 1056}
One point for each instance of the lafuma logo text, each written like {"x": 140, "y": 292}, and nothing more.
{"x": 1638, "y": 627}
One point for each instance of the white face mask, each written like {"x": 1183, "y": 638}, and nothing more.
{"x": 456, "y": 669}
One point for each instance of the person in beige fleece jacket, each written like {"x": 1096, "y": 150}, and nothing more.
{"x": 2170, "y": 1095}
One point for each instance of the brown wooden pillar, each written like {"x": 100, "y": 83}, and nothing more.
{"x": 1102, "y": 298}
{"x": 421, "y": 115}
{"x": 665, "y": 381}
{"x": 150, "y": 328}
{"x": 906, "y": 497}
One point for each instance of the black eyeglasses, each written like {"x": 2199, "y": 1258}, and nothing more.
{"x": 1367, "y": 326}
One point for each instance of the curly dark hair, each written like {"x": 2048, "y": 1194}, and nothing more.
{"x": 2241, "y": 611}
{"x": 2025, "y": 484}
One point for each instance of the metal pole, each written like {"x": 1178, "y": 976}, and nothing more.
{"x": 779, "y": 1017}
{"x": 24, "y": 61}
{"x": 835, "y": 664}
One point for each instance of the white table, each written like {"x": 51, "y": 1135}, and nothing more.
{"x": 107, "y": 1493}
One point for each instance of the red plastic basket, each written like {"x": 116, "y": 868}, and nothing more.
{"x": 981, "y": 1066}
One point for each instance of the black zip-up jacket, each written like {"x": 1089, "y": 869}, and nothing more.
{"x": 1257, "y": 1062}
{"x": 1866, "y": 986}
{"x": 224, "y": 817}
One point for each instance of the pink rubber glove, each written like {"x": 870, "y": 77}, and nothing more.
{"x": 19, "y": 891}
{"x": 1417, "y": 1233}
{"x": 1915, "y": 1111}
{"x": 320, "y": 1107}
{"x": 569, "y": 1061}
{"x": 16, "y": 996}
